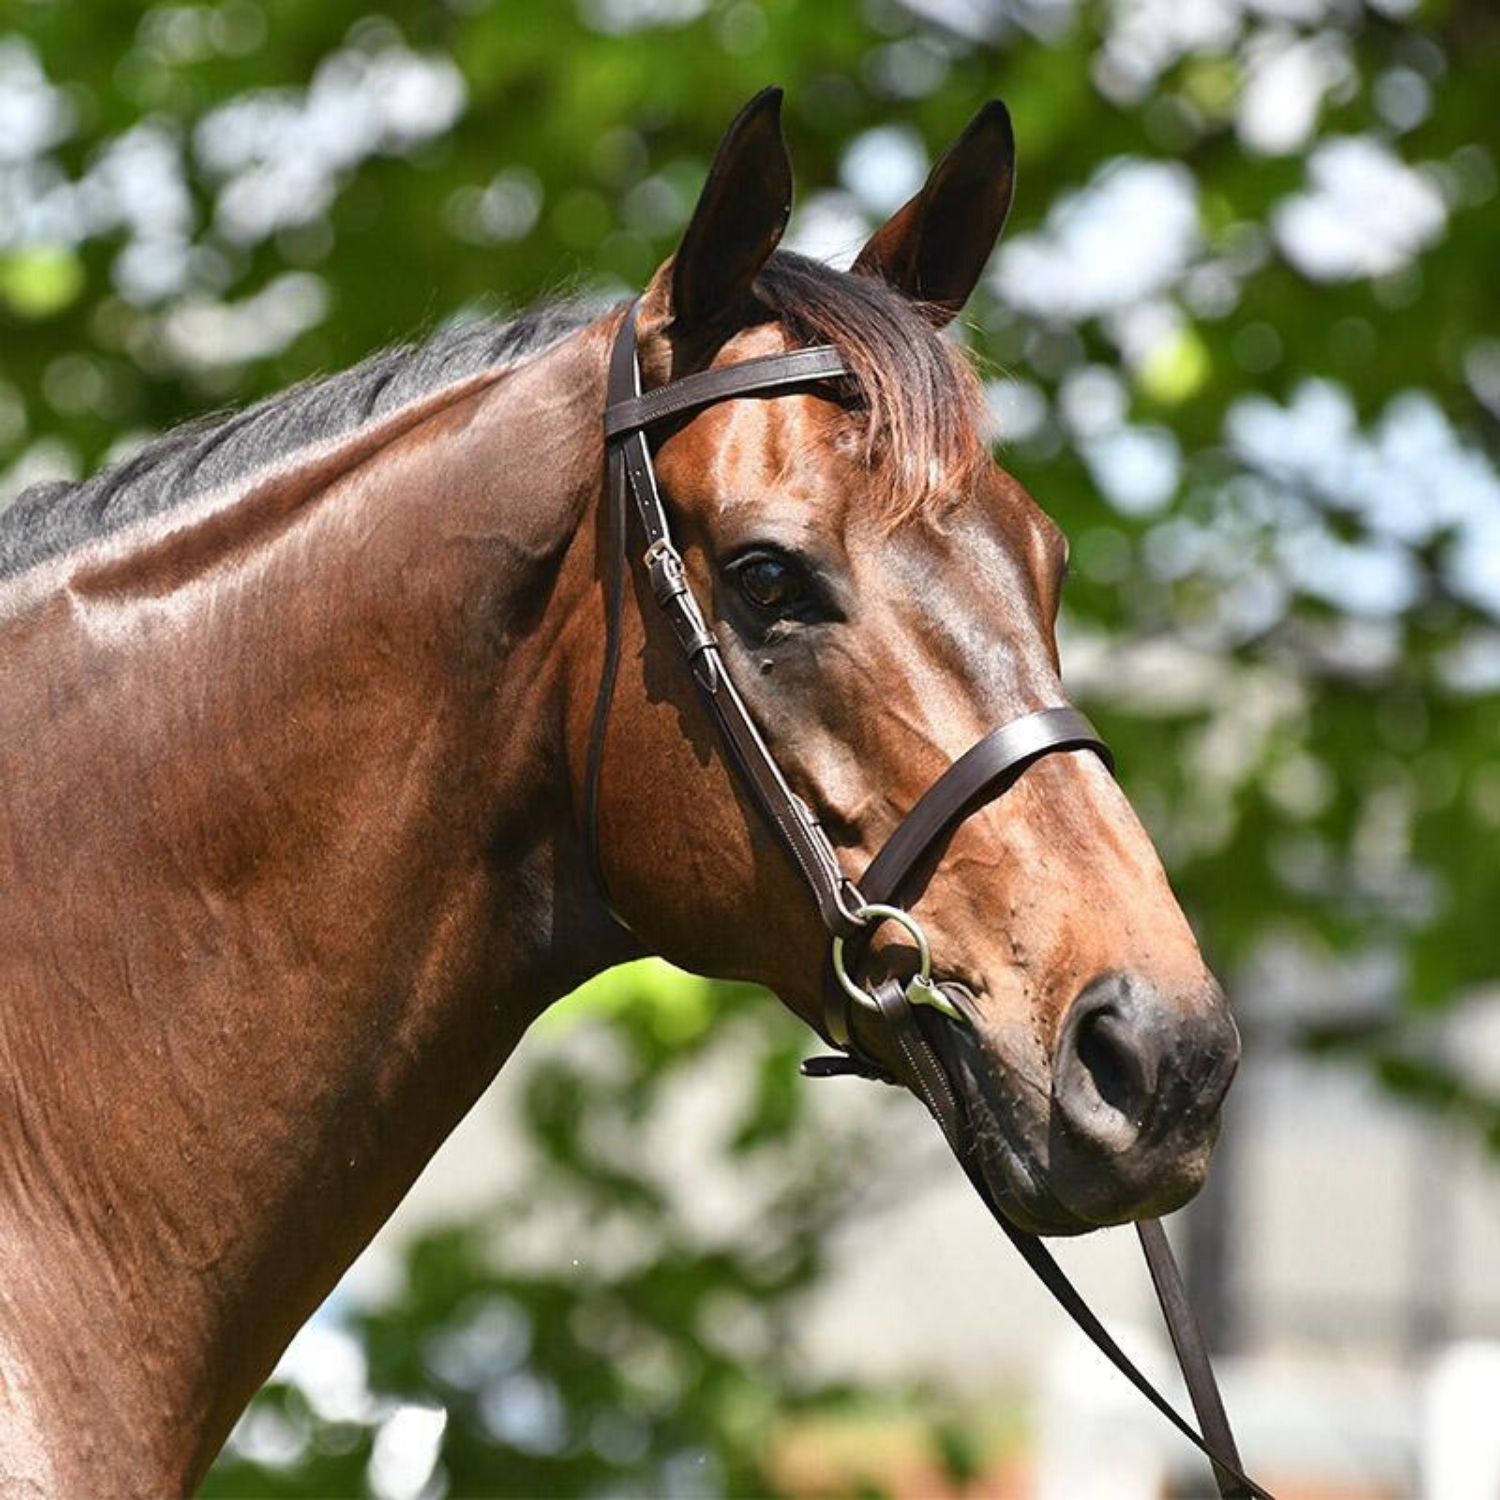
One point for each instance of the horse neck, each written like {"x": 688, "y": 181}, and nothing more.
{"x": 289, "y": 863}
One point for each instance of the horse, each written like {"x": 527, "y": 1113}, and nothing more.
{"x": 297, "y": 807}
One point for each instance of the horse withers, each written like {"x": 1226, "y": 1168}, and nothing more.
{"x": 297, "y": 711}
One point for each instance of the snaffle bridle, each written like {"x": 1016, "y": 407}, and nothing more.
{"x": 851, "y": 912}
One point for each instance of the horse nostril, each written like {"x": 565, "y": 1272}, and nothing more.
{"x": 1137, "y": 1079}
{"x": 1115, "y": 1056}
{"x": 1106, "y": 1071}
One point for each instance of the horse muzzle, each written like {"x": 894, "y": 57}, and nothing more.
{"x": 1125, "y": 1123}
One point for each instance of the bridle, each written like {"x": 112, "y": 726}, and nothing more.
{"x": 851, "y": 912}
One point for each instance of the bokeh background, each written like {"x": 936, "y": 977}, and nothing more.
{"x": 1243, "y": 341}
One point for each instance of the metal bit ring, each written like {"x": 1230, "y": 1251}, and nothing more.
{"x": 877, "y": 914}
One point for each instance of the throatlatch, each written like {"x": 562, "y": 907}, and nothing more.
{"x": 852, "y": 912}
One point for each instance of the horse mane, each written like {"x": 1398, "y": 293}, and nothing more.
{"x": 52, "y": 518}
{"x": 917, "y": 395}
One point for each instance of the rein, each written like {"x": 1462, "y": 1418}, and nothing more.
{"x": 851, "y": 912}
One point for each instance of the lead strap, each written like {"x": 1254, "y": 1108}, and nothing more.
{"x": 929, "y": 1081}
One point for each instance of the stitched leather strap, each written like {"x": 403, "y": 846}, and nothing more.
{"x": 1192, "y": 1357}
{"x": 980, "y": 774}
{"x": 623, "y": 375}
{"x": 631, "y": 476}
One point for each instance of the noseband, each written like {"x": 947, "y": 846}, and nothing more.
{"x": 852, "y": 911}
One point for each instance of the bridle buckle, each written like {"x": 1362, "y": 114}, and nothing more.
{"x": 664, "y": 567}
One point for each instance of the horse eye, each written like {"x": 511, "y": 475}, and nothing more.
{"x": 771, "y": 583}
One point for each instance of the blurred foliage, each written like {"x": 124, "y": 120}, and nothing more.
{"x": 594, "y": 1333}
{"x": 1274, "y": 450}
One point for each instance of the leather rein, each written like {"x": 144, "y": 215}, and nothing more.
{"x": 851, "y": 912}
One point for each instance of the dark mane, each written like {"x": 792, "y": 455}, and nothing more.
{"x": 924, "y": 427}
{"x": 50, "y": 519}
{"x": 920, "y": 400}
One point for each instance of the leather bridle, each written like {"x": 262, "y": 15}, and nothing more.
{"x": 851, "y": 912}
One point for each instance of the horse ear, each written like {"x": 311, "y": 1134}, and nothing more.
{"x": 934, "y": 246}
{"x": 740, "y": 216}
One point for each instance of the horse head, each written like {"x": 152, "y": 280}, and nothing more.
{"x": 883, "y": 594}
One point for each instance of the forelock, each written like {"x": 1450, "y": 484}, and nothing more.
{"x": 920, "y": 407}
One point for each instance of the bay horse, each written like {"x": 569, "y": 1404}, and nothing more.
{"x": 295, "y": 714}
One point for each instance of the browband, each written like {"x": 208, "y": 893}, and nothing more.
{"x": 767, "y": 372}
